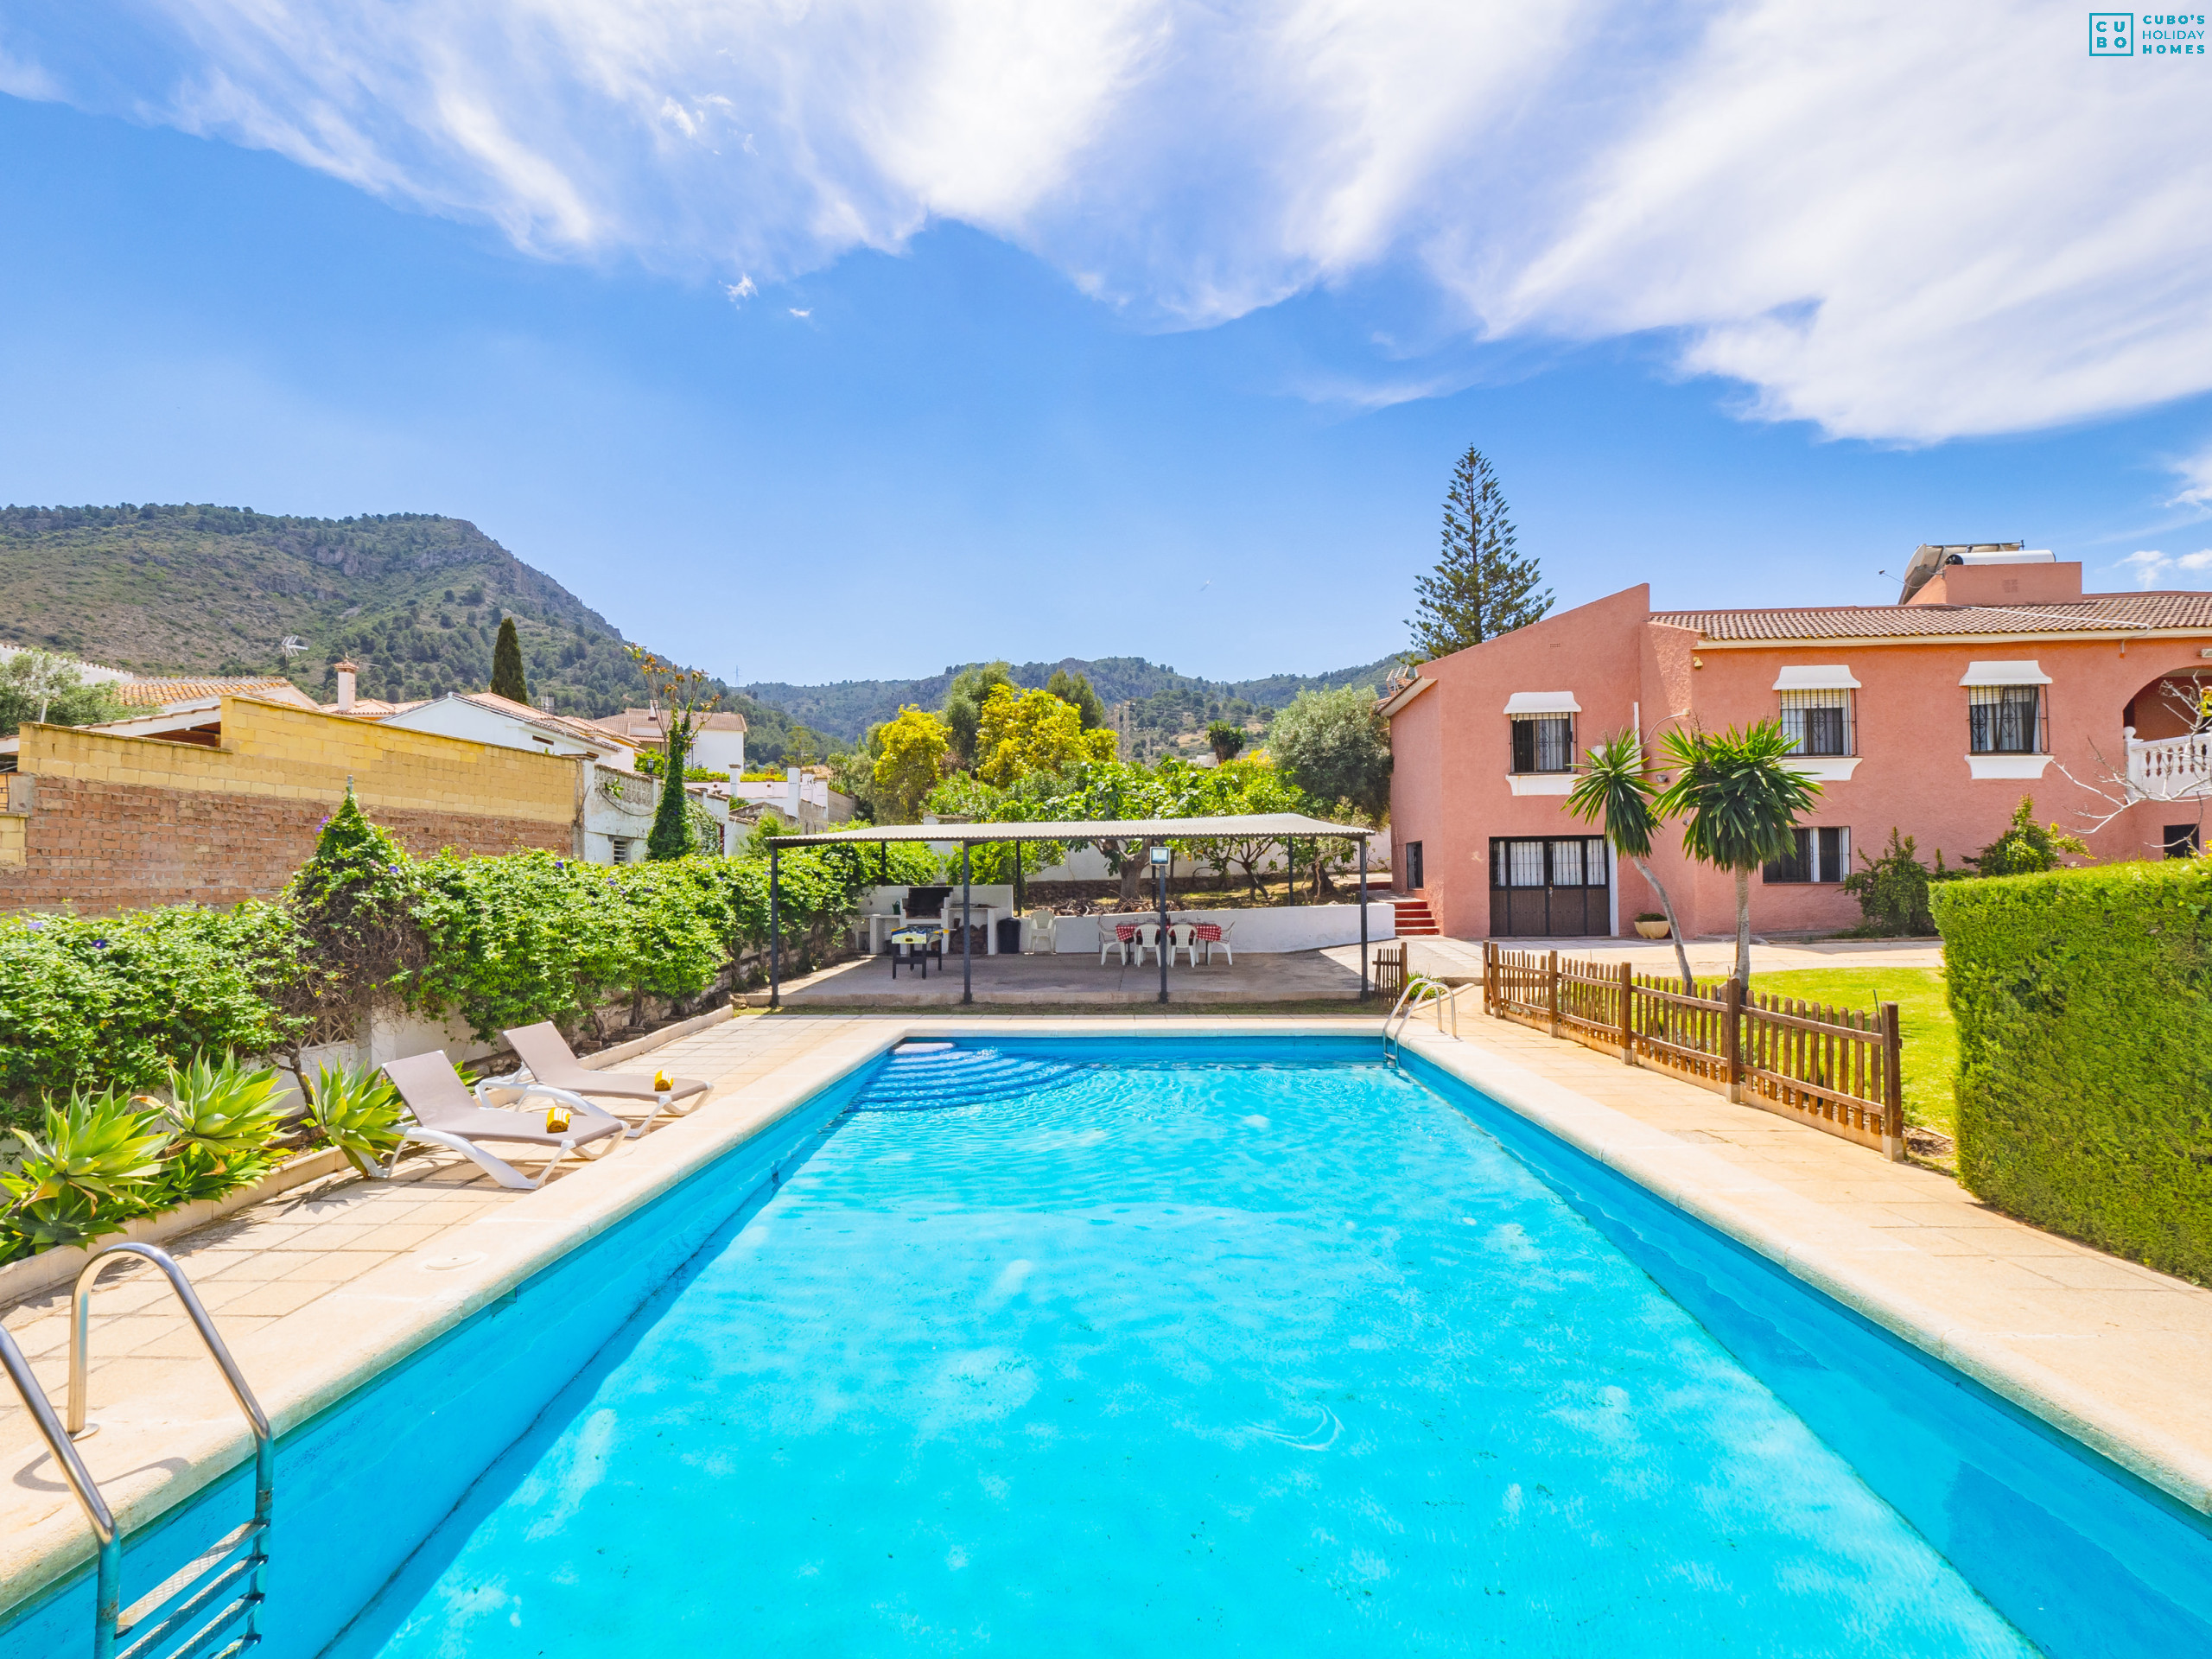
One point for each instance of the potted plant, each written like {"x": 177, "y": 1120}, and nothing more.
{"x": 1651, "y": 925}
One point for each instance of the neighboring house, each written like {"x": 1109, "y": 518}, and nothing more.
{"x": 214, "y": 805}
{"x": 802, "y": 798}
{"x": 1994, "y": 677}
{"x": 617, "y": 800}
{"x": 717, "y": 739}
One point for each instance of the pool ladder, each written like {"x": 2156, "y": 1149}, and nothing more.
{"x": 1419, "y": 993}
{"x": 210, "y": 1608}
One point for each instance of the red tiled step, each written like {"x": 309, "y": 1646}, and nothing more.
{"x": 1414, "y": 919}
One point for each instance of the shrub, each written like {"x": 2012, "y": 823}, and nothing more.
{"x": 112, "y": 1002}
{"x": 1893, "y": 890}
{"x": 2026, "y": 848}
{"x": 2084, "y": 1007}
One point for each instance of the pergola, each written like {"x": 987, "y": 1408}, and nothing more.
{"x": 1286, "y": 827}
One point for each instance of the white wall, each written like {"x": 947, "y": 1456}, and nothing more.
{"x": 718, "y": 751}
{"x": 1265, "y": 931}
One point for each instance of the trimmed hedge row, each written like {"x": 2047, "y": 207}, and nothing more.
{"x": 2084, "y": 1005}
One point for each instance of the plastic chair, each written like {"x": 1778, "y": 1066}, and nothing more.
{"x": 1041, "y": 940}
{"x": 1108, "y": 940}
{"x": 1227, "y": 928}
{"x": 1184, "y": 937}
{"x": 1148, "y": 939}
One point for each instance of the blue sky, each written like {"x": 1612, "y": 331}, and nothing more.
{"x": 878, "y": 339}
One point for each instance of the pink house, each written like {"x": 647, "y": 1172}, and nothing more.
{"x": 1997, "y": 677}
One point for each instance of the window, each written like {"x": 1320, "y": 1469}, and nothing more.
{"x": 1413, "y": 882}
{"x": 2005, "y": 720}
{"x": 1563, "y": 861}
{"x": 1818, "y": 722}
{"x": 1543, "y": 742}
{"x": 622, "y": 845}
{"x": 1820, "y": 855}
{"x": 2182, "y": 841}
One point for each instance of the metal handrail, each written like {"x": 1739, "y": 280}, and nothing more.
{"x": 110, "y": 1598}
{"x": 109, "y": 1616}
{"x": 1418, "y": 994}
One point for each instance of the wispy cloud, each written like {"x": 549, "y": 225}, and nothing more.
{"x": 2151, "y": 568}
{"x": 740, "y": 290}
{"x": 2196, "y": 475}
{"x": 1895, "y": 223}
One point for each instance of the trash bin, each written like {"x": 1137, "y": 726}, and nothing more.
{"x": 1009, "y": 936}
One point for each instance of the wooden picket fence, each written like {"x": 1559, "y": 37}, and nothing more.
{"x": 1839, "y": 1069}
{"x": 1390, "y": 969}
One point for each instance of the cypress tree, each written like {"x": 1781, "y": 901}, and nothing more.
{"x": 671, "y": 836}
{"x": 1482, "y": 586}
{"x": 507, "y": 679}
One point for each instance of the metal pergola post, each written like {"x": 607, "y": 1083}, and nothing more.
{"x": 1363, "y": 919}
{"x": 775, "y": 935}
{"x": 967, "y": 933}
{"x": 1161, "y": 871}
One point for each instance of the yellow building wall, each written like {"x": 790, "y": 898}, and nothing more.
{"x": 284, "y": 753}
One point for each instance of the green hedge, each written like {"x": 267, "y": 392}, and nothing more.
{"x": 112, "y": 1002}
{"x": 2084, "y": 1005}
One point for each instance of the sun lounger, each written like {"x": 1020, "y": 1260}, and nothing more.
{"x": 546, "y": 1052}
{"x": 447, "y": 1115}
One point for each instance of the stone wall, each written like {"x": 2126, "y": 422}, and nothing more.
{"x": 101, "y": 824}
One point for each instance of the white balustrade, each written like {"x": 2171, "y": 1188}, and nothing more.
{"x": 2169, "y": 768}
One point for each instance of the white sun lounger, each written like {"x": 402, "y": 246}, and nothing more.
{"x": 447, "y": 1115}
{"x": 546, "y": 1052}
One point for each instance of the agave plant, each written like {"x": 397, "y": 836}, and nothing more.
{"x": 225, "y": 1109}
{"x": 356, "y": 1111}
{"x": 84, "y": 1173}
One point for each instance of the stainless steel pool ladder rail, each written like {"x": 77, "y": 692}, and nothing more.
{"x": 1418, "y": 994}
{"x": 215, "y": 1576}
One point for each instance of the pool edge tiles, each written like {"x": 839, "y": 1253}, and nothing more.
{"x": 1824, "y": 1250}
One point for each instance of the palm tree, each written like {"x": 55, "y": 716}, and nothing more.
{"x": 1739, "y": 800}
{"x": 1615, "y": 788}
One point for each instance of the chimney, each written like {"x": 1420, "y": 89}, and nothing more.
{"x": 346, "y": 673}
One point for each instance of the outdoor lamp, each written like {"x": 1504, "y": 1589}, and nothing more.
{"x": 1160, "y": 855}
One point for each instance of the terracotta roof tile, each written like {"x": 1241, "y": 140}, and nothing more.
{"x": 2095, "y": 612}
{"x": 152, "y": 694}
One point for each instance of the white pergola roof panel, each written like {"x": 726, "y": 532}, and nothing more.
{"x": 1271, "y": 826}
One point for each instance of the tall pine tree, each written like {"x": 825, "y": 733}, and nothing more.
{"x": 1482, "y": 586}
{"x": 507, "y": 679}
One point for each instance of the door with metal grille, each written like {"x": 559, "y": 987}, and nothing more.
{"x": 1548, "y": 887}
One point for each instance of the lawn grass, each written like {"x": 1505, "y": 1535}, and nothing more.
{"x": 1931, "y": 1040}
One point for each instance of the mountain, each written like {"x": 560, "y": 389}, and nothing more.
{"x": 415, "y": 598}
{"x": 1160, "y": 704}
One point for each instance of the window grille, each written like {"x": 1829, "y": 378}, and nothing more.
{"x": 1543, "y": 743}
{"x": 2005, "y": 720}
{"x": 1819, "y": 722}
{"x": 1820, "y": 855}
{"x": 1576, "y": 862}
{"x": 620, "y": 849}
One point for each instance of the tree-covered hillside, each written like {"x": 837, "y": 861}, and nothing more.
{"x": 1153, "y": 704}
{"x": 416, "y": 599}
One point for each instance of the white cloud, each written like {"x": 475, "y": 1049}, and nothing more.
{"x": 802, "y": 315}
{"x": 2196, "y": 475}
{"x": 2151, "y": 568}
{"x": 1898, "y": 221}
{"x": 740, "y": 290}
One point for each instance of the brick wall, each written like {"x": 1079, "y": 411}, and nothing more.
{"x": 96, "y": 847}
{"x": 121, "y": 823}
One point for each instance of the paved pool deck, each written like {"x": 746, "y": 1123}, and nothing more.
{"x": 325, "y": 1286}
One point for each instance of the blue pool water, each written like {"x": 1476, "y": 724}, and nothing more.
{"x": 1169, "y": 1348}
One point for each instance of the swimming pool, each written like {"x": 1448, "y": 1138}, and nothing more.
{"x": 1165, "y": 1346}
